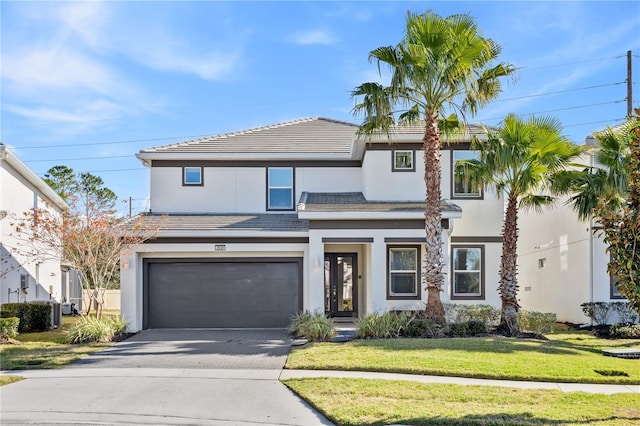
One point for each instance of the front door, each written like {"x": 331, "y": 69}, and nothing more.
{"x": 341, "y": 284}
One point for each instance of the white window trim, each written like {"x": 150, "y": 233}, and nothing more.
{"x": 412, "y": 155}
{"x": 415, "y": 272}
{"x": 454, "y": 194}
{"x": 479, "y": 294}
{"x": 184, "y": 176}
{"x": 291, "y": 188}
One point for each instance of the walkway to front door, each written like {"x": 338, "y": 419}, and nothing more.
{"x": 341, "y": 284}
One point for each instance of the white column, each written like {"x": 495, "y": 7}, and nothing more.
{"x": 314, "y": 297}
{"x": 130, "y": 289}
{"x": 378, "y": 276}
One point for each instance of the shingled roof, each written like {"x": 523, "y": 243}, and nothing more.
{"x": 308, "y": 135}
{"x": 227, "y": 222}
{"x": 316, "y": 137}
{"x": 356, "y": 202}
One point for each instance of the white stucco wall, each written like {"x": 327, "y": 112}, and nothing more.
{"x": 44, "y": 275}
{"x": 571, "y": 275}
{"x": 381, "y": 183}
{"x": 240, "y": 189}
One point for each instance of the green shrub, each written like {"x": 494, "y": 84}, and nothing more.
{"x": 599, "y": 312}
{"x": 118, "y": 324}
{"x": 625, "y": 331}
{"x": 487, "y": 314}
{"x": 91, "y": 329}
{"x": 9, "y": 328}
{"x": 312, "y": 326}
{"x": 385, "y": 326}
{"x": 423, "y": 327}
{"x": 467, "y": 328}
{"x": 33, "y": 316}
{"x": 536, "y": 322}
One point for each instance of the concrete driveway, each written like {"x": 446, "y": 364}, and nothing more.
{"x": 190, "y": 377}
{"x": 227, "y": 349}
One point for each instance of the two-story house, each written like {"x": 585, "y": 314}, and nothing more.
{"x": 562, "y": 261}
{"x": 24, "y": 277}
{"x": 259, "y": 224}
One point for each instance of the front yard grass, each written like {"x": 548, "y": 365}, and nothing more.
{"x": 46, "y": 349}
{"x": 5, "y": 380}
{"x": 566, "y": 357}
{"x": 378, "y": 402}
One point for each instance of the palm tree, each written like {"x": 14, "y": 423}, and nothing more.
{"x": 609, "y": 191}
{"x": 520, "y": 159}
{"x": 442, "y": 66}
{"x": 605, "y": 183}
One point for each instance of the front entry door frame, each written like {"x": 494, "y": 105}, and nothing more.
{"x": 334, "y": 283}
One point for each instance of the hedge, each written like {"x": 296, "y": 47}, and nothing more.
{"x": 33, "y": 316}
{"x": 9, "y": 328}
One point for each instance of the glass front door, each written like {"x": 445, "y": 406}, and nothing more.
{"x": 341, "y": 284}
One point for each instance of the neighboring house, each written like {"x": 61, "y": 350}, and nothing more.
{"x": 562, "y": 261}
{"x": 22, "y": 277}
{"x": 260, "y": 224}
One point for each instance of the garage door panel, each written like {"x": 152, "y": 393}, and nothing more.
{"x": 205, "y": 294}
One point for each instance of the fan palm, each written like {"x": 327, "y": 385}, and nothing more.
{"x": 442, "y": 66}
{"x": 520, "y": 159}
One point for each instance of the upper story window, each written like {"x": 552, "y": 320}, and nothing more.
{"x": 403, "y": 160}
{"x": 403, "y": 274}
{"x": 280, "y": 190}
{"x": 467, "y": 272}
{"x": 192, "y": 176}
{"x": 462, "y": 187}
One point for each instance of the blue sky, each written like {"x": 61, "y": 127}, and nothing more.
{"x": 89, "y": 84}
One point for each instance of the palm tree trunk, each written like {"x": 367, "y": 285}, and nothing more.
{"x": 508, "y": 285}
{"x": 433, "y": 259}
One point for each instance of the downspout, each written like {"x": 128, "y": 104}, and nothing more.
{"x": 591, "y": 246}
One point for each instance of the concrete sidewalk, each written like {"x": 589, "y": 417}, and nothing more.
{"x": 154, "y": 396}
{"x": 564, "y": 387}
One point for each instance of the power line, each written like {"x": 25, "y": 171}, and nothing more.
{"x": 559, "y": 109}
{"x": 114, "y": 142}
{"x": 560, "y": 91}
{"x": 570, "y": 63}
{"x": 79, "y": 159}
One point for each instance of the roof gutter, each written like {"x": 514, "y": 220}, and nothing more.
{"x": 31, "y": 177}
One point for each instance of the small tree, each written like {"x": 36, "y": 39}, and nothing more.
{"x": 610, "y": 193}
{"x": 92, "y": 244}
{"x": 622, "y": 226}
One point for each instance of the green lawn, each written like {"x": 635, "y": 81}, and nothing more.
{"x": 5, "y": 380}
{"x": 568, "y": 357}
{"x": 45, "y": 349}
{"x": 383, "y": 402}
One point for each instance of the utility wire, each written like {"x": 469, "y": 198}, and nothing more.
{"x": 82, "y": 158}
{"x": 526, "y": 68}
{"x": 559, "y": 91}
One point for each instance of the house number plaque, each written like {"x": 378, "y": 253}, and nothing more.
{"x": 220, "y": 247}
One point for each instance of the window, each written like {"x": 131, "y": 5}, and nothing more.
{"x": 192, "y": 176}
{"x": 403, "y": 161}
{"x": 467, "y": 272}
{"x": 403, "y": 276}
{"x": 280, "y": 188}
{"x": 613, "y": 282}
{"x": 462, "y": 188}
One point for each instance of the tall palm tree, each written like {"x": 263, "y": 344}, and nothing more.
{"x": 520, "y": 159}
{"x": 442, "y": 67}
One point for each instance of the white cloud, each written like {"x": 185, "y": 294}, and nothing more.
{"x": 57, "y": 68}
{"x": 321, "y": 37}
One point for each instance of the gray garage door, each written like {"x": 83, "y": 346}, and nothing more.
{"x": 244, "y": 293}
